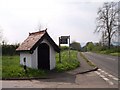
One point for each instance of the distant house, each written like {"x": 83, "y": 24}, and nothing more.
{"x": 38, "y": 51}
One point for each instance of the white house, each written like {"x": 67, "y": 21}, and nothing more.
{"x": 38, "y": 51}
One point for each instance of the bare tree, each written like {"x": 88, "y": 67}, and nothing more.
{"x": 39, "y": 27}
{"x": 107, "y": 20}
{"x": 1, "y": 30}
{"x": 103, "y": 39}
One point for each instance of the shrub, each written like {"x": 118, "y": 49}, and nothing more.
{"x": 67, "y": 63}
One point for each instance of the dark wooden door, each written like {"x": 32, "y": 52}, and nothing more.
{"x": 43, "y": 57}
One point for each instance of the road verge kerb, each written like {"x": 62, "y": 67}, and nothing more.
{"x": 89, "y": 63}
{"x": 94, "y": 69}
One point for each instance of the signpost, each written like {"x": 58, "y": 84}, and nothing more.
{"x": 25, "y": 68}
{"x": 64, "y": 40}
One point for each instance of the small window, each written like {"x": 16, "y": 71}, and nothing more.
{"x": 24, "y": 59}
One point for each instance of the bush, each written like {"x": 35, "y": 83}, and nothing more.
{"x": 9, "y": 49}
{"x": 64, "y": 48}
{"x": 67, "y": 64}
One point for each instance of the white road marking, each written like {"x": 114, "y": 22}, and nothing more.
{"x": 104, "y": 74}
{"x": 99, "y": 69}
{"x": 103, "y": 71}
{"x": 111, "y": 76}
{"x": 97, "y": 72}
{"x": 116, "y": 79}
{"x": 106, "y": 79}
{"x": 111, "y": 83}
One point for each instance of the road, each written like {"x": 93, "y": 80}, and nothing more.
{"x": 105, "y": 62}
{"x": 108, "y": 66}
{"x": 88, "y": 80}
{"x": 93, "y": 79}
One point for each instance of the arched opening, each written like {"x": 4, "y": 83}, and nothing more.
{"x": 43, "y": 56}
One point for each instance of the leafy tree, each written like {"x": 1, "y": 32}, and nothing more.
{"x": 90, "y": 46}
{"x": 9, "y": 49}
{"x": 107, "y": 20}
{"x": 64, "y": 48}
{"x": 75, "y": 46}
{"x": 84, "y": 49}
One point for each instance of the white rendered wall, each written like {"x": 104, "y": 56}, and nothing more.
{"x": 52, "y": 58}
{"x": 52, "y": 54}
{"x": 34, "y": 61}
{"x": 28, "y": 58}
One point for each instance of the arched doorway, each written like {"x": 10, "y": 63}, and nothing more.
{"x": 43, "y": 56}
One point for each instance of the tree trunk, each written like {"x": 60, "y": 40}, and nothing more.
{"x": 109, "y": 42}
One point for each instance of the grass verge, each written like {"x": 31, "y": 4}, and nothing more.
{"x": 107, "y": 52}
{"x": 90, "y": 63}
{"x": 12, "y": 69}
{"x": 66, "y": 62}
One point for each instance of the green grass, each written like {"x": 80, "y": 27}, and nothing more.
{"x": 108, "y": 52}
{"x": 115, "y": 54}
{"x": 12, "y": 68}
{"x": 66, "y": 62}
{"x": 115, "y": 51}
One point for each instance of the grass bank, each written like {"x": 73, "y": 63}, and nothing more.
{"x": 114, "y": 51}
{"x": 12, "y": 69}
{"x": 108, "y": 52}
{"x": 66, "y": 62}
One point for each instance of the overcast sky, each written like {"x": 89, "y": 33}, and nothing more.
{"x": 62, "y": 17}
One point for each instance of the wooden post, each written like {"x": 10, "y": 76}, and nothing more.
{"x": 59, "y": 52}
{"x": 69, "y": 47}
{"x": 25, "y": 68}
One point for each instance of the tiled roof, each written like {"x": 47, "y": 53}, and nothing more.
{"x": 31, "y": 40}
{"x": 34, "y": 39}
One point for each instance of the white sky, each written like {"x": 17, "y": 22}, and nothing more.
{"x": 62, "y": 17}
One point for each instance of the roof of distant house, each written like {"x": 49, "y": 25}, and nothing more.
{"x": 34, "y": 39}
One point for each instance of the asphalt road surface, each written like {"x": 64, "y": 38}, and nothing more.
{"x": 88, "y": 80}
{"x": 95, "y": 79}
{"x": 105, "y": 62}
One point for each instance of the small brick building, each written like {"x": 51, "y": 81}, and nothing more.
{"x": 38, "y": 51}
